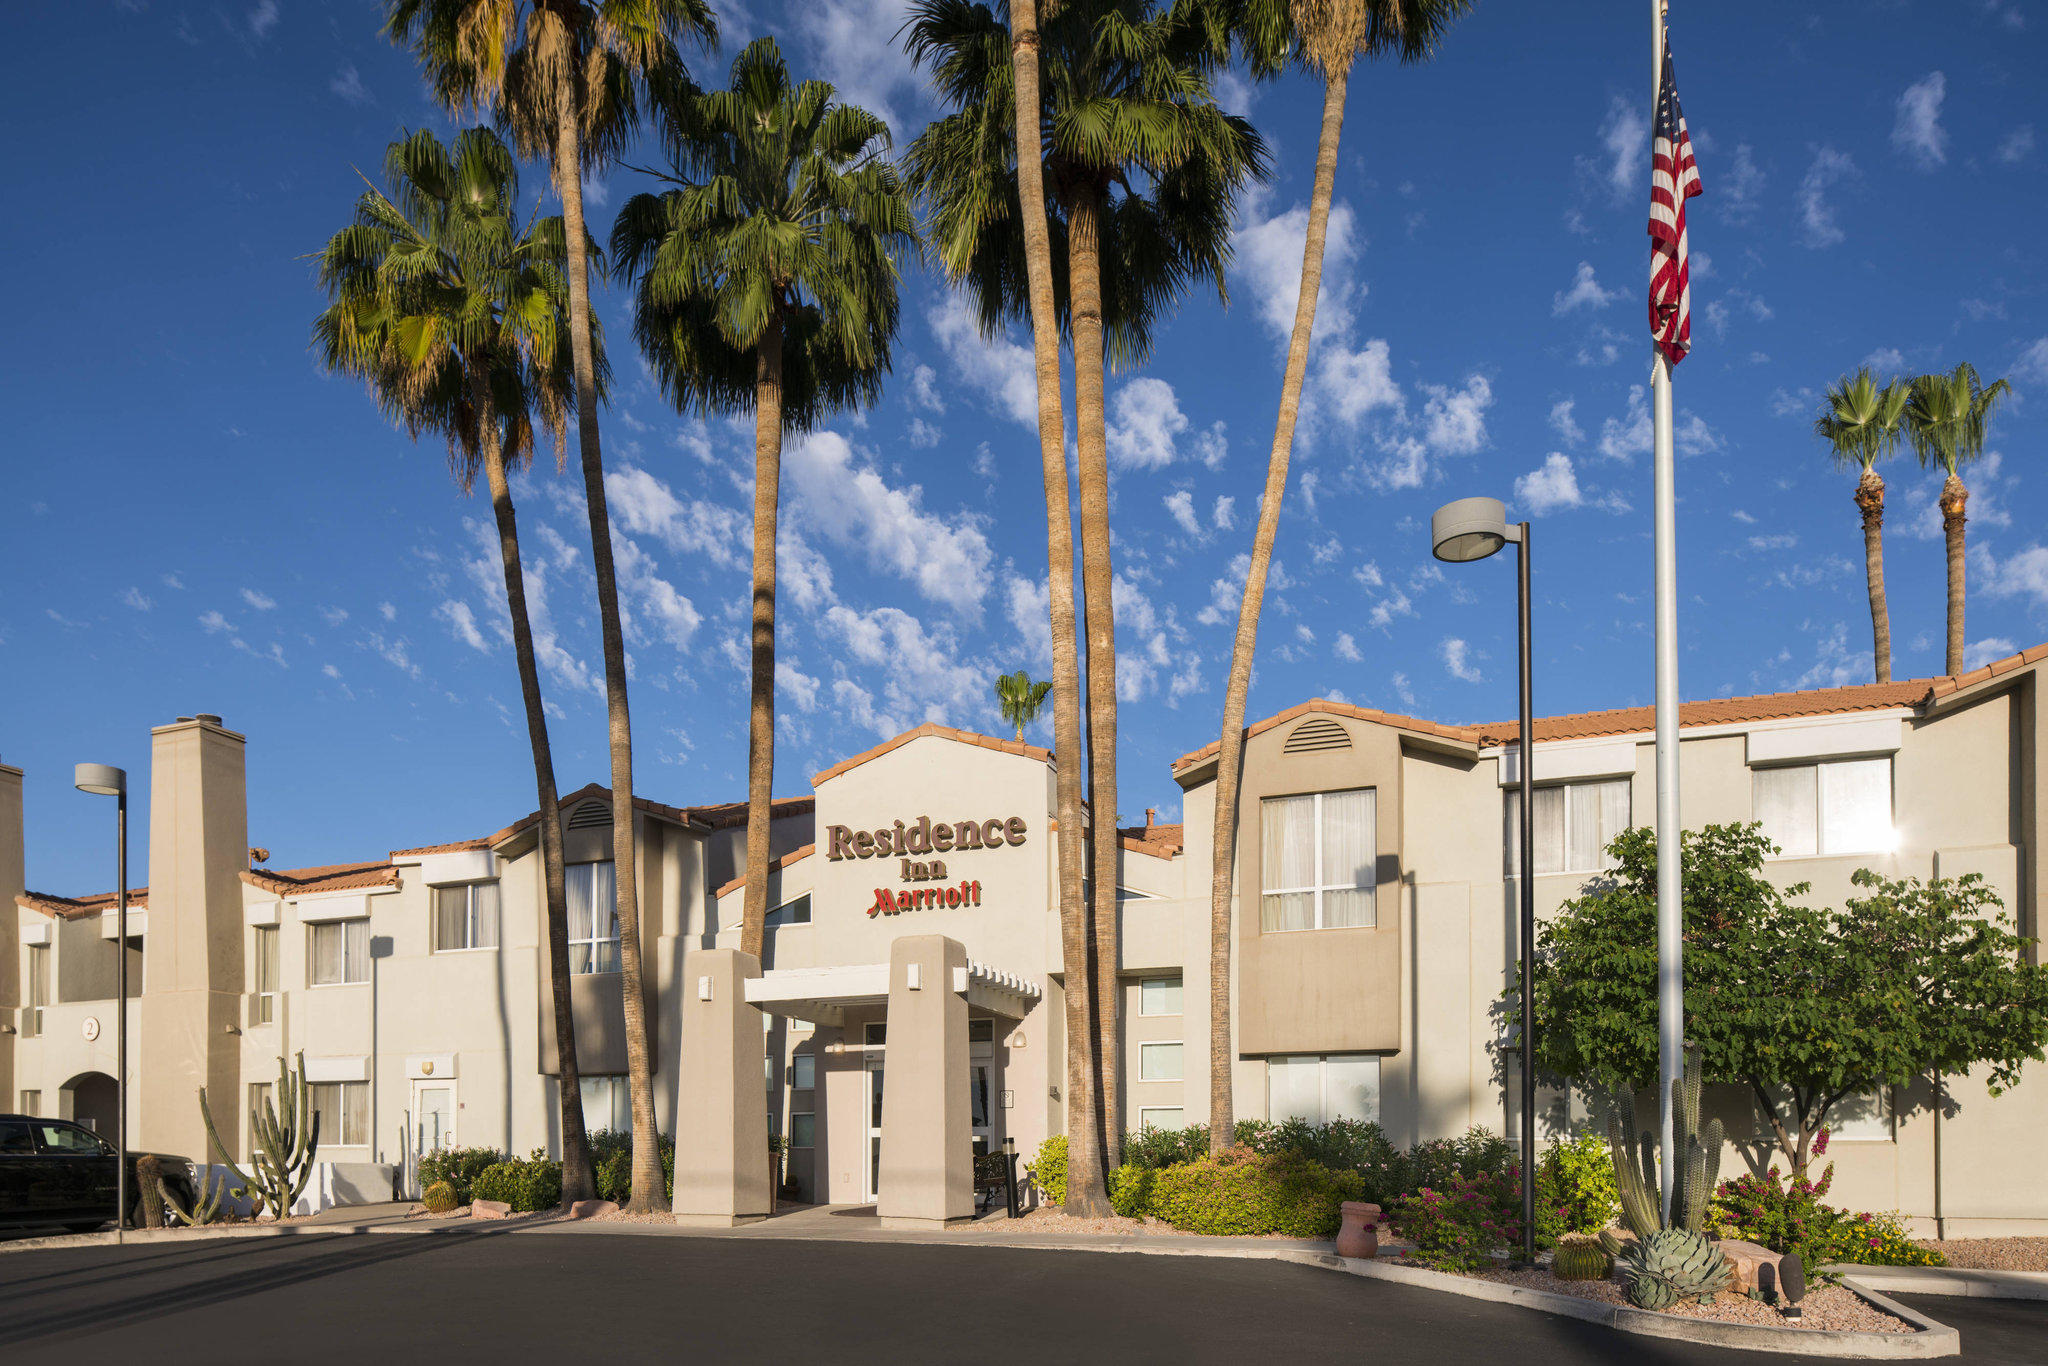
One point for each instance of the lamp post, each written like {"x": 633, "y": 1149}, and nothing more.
{"x": 104, "y": 780}
{"x": 1472, "y": 529}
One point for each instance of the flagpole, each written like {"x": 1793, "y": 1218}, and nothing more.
{"x": 1670, "y": 946}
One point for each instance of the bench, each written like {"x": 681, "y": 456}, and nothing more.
{"x": 991, "y": 1181}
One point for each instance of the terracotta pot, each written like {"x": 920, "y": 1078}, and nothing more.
{"x": 1360, "y": 1236}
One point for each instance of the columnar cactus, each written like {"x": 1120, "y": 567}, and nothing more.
{"x": 1674, "y": 1260}
{"x": 208, "y": 1193}
{"x": 284, "y": 1133}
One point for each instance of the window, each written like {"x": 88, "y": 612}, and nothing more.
{"x": 466, "y": 917}
{"x": 797, "y": 912}
{"x": 340, "y": 952}
{"x": 803, "y": 1129}
{"x": 803, "y": 1072}
{"x": 1318, "y": 859}
{"x": 1159, "y": 1062}
{"x": 1574, "y": 824}
{"x": 31, "y": 1102}
{"x": 259, "y": 1097}
{"x": 1843, "y": 807}
{"x": 266, "y": 974}
{"x": 607, "y": 1102}
{"x": 593, "y": 918}
{"x": 1323, "y": 1087}
{"x": 1864, "y": 1118}
{"x": 16, "y": 1138}
{"x": 1159, "y": 996}
{"x": 342, "y": 1108}
{"x": 1161, "y": 1117}
{"x": 60, "y": 1137}
{"x": 38, "y": 990}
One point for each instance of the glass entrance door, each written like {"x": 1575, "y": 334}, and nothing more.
{"x": 981, "y": 1106}
{"x": 433, "y": 1116}
{"x": 874, "y": 1036}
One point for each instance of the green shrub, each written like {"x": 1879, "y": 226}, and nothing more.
{"x": 1460, "y": 1227}
{"x": 611, "y": 1161}
{"x": 459, "y": 1167}
{"x": 439, "y": 1198}
{"x": 1156, "y": 1148}
{"x": 540, "y": 1183}
{"x": 1245, "y": 1191}
{"x": 1793, "y": 1218}
{"x": 1049, "y": 1170}
{"x": 1130, "y": 1190}
{"x": 1436, "y": 1164}
{"x": 1575, "y": 1189}
{"x": 500, "y": 1181}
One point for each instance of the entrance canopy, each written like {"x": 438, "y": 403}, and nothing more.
{"x": 821, "y": 995}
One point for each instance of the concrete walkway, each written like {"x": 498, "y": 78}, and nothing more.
{"x": 1950, "y": 1280}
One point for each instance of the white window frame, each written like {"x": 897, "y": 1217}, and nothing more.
{"x": 1820, "y": 767}
{"x": 472, "y": 916}
{"x": 343, "y": 1095}
{"x": 267, "y": 992}
{"x": 776, "y": 918}
{"x": 342, "y": 927}
{"x": 595, "y": 943}
{"x": 618, "y": 1089}
{"x": 1371, "y": 888}
{"x": 1511, "y": 801}
{"x": 1323, "y": 1082}
{"x": 1146, "y": 1050}
{"x": 38, "y": 991}
{"x": 1145, "y": 997}
{"x": 1145, "y": 1120}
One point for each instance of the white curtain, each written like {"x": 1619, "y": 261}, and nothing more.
{"x": 1159, "y": 1062}
{"x": 484, "y": 906}
{"x": 1351, "y": 1089}
{"x": 1294, "y": 1089}
{"x": 451, "y": 918}
{"x": 1615, "y": 811}
{"x": 1787, "y": 801}
{"x": 1350, "y": 858}
{"x": 1856, "y": 807}
{"x": 1287, "y": 860}
{"x": 607, "y": 1102}
{"x": 593, "y": 918}
{"x": 355, "y": 952}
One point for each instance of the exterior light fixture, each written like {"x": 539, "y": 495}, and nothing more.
{"x": 104, "y": 780}
{"x": 1459, "y": 533}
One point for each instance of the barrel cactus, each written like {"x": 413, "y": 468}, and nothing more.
{"x": 439, "y": 1198}
{"x": 1672, "y": 1264}
{"x": 1580, "y": 1259}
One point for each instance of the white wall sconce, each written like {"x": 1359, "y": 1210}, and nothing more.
{"x": 913, "y": 977}
{"x": 703, "y": 988}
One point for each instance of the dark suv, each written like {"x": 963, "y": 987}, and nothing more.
{"x": 55, "y": 1172}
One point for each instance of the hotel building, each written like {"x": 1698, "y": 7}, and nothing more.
{"x": 915, "y": 938}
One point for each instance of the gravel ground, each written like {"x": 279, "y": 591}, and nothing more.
{"x": 1048, "y": 1220}
{"x": 1828, "y": 1306}
{"x": 1993, "y": 1254}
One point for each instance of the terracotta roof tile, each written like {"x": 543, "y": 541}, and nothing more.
{"x": 725, "y": 815}
{"x": 966, "y": 737}
{"x": 1414, "y": 723}
{"x": 793, "y": 856}
{"x": 79, "y": 907}
{"x": 331, "y": 877}
{"x": 1943, "y": 687}
{"x": 458, "y": 847}
{"x": 1160, "y": 841}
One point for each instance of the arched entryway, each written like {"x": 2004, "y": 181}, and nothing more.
{"x": 93, "y": 1100}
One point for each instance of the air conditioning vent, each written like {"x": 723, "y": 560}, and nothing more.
{"x": 589, "y": 814}
{"x": 1318, "y": 734}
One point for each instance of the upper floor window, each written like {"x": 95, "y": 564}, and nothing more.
{"x": 1574, "y": 823}
{"x": 1159, "y": 996}
{"x": 466, "y": 916}
{"x": 339, "y": 952}
{"x": 266, "y": 974}
{"x": 593, "y": 918}
{"x": 38, "y": 989}
{"x": 797, "y": 912}
{"x": 1318, "y": 857}
{"x": 1840, "y": 807}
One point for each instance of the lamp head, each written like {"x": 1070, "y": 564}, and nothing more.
{"x": 1469, "y": 529}
{"x": 102, "y": 780}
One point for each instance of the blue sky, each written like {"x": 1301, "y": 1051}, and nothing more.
{"x": 198, "y": 519}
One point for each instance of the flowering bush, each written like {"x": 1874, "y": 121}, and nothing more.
{"x": 1795, "y": 1219}
{"x": 1575, "y": 1190}
{"x": 1461, "y": 1226}
{"x": 1241, "y": 1191}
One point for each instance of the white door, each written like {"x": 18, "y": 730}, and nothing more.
{"x": 433, "y": 1116}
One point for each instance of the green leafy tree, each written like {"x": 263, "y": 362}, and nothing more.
{"x": 1141, "y": 172}
{"x": 1861, "y": 422}
{"x": 1947, "y": 419}
{"x": 455, "y": 314}
{"x": 767, "y": 280}
{"x": 1800, "y": 1004}
{"x": 1020, "y": 699}
{"x": 567, "y": 79}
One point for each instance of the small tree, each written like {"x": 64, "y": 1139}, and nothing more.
{"x": 1801, "y": 1004}
{"x": 1020, "y": 699}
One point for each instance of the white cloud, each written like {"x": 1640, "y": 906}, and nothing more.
{"x": 923, "y": 435}
{"x": 925, "y": 674}
{"x": 1886, "y": 359}
{"x": 1402, "y": 689}
{"x": 173, "y": 581}
{"x": 1549, "y": 487}
{"x": 794, "y": 687}
{"x": 1564, "y": 423}
{"x": 649, "y": 603}
{"x": 1978, "y": 653}
{"x": 1181, "y": 503}
{"x": 643, "y": 505}
{"x": 1816, "y": 209}
{"x": 213, "y": 623}
{"x": 263, "y": 18}
{"x": 1352, "y": 383}
{"x": 2032, "y": 366}
{"x": 462, "y": 624}
{"x": 999, "y": 368}
{"x": 387, "y": 611}
{"x": 924, "y": 389}
{"x": 2024, "y": 575}
{"x": 262, "y": 602}
{"x": 1224, "y": 516}
{"x": 802, "y": 575}
{"x": 852, "y": 44}
{"x": 947, "y": 557}
{"x": 348, "y": 84}
{"x": 1268, "y": 265}
{"x": 2017, "y": 145}
{"x": 136, "y": 598}
{"x": 1387, "y": 609}
{"x": 1632, "y": 434}
{"x": 1917, "y": 132}
{"x": 1457, "y": 660}
{"x": 1454, "y": 420}
{"x": 331, "y": 672}
{"x": 1583, "y": 292}
{"x": 1738, "y": 187}
{"x": 1623, "y": 159}
{"x": 1144, "y": 418}
{"x": 1028, "y": 605}
{"x": 1346, "y": 649}
{"x": 334, "y": 616}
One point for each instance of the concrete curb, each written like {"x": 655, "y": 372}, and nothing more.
{"x": 204, "y": 1234}
{"x": 1949, "y": 1280}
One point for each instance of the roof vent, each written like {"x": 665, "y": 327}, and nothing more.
{"x": 589, "y": 814}
{"x": 208, "y": 717}
{"x": 1317, "y": 734}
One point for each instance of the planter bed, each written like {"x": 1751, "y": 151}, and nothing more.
{"x": 1992, "y": 1254}
{"x": 1826, "y": 1308}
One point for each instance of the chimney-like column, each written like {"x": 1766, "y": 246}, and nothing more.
{"x": 13, "y": 872}
{"x": 192, "y": 953}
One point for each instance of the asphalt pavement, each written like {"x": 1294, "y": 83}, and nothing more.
{"x": 479, "y": 1296}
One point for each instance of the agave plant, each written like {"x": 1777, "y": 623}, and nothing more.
{"x": 1670, "y": 1259}
{"x": 1672, "y": 1264}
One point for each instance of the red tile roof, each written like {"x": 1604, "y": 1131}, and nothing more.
{"x": 458, "y": 847}
{"x": 793, "y": 856}
{"x": 79, "y": 907}
{"x": 965, "y": 737}
{"x": 331, "y": 877}
{"x": 1321, "y": 704}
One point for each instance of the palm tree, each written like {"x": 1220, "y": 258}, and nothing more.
{"x": 1141, "y": 171}
{"x": 1020, "y": 699}
{"x": 565, "y": 78}
{"x": 767, "y": 280}
{"x": 1861, "y": 424}
{"x": 456, "y": 317}
{"x": 1326, "y": 36}
{"x": 1947, "y": 418}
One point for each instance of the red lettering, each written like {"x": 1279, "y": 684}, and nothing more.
{"x": 977, "y": 892}
{"x": 884, "y": 903}
{"x": 952, "y": 896}
{"x": 903, "y": 902}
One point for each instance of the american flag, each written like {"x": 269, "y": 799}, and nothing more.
{"x": 1673, "y": 180}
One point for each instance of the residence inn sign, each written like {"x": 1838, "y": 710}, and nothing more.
{"x": 921, "y": 836}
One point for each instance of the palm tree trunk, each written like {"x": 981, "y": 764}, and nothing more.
{"x": 1953, "y": 498}
{"x": 577, "y": 1180}
{"x": 1099, "y": 613}
{"x": 1870, "y": 501}
{"x": 1230, "y": 755}
{"x": 648, "y": 1193}
{"x": 761, "y": 703}
{"x": 1087, "y": 1194}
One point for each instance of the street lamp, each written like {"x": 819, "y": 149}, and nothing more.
{"x": 1472, "y": 529}
{"x": 104, "y": 780}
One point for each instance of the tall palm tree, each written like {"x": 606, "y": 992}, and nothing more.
{"x": 1326, "y": 36}
{"x": 456, "y": 317}
{"x": 767, "y": 280}
{"x": 566, "y": 78}
{"x": 1861, "y": 421}
{"x": 1020, "y": 699}
{"x": 1140, "y": 172}
{"x": 1947, "y": 419}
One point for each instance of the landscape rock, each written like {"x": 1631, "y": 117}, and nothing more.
{"x": 1749, "y": 1260}
{"x": 590, "y": 1209}
{"x": 489, "y": 1209}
